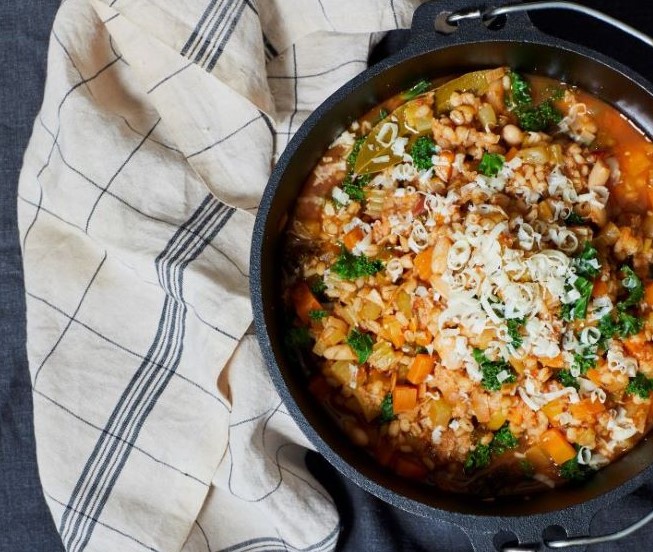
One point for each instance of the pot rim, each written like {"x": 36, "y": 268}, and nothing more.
{"x": 476, "y": 522}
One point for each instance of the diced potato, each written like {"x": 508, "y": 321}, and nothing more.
{"x": 497, "y": 419}
{"x": 440, "y": 413}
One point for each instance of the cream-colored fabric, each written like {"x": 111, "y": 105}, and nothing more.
{"x": 157, "y": 427}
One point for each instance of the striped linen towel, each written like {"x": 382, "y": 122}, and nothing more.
{"x": 157, "y": 427}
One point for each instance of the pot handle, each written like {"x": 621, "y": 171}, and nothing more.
{"x": 445, "y": 17}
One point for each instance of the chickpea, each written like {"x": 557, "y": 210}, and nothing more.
{"x": 512, "y": 135}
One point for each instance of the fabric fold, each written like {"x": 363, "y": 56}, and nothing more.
{"x": 157, "y": 426}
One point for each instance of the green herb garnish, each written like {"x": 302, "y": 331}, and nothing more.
{"x": 640, "y": 385}
{"x": 634, "y": 286}
{"x": 317, "y": 314}
{"x": 520, "y": 92}
{"x": 351, "y": 158}
{"x": 318, "y": 287}
{"x": 578, "y": 309}
{"x": 422, "y": 153}
{"x": 387, "y": 410}
{"x": 491, "y": 369}
{"x": 351, "y": 267}
{"x": 361, "y": 343}
{"x": 514, "y": 325}
{"x": 585, "y": 360}
{"x": 478, "y": 458}
{"x": 383, "y": 113}
{"x": 417, "y": 89}
{"x": 537, "y": 118}
{"x": 587, "y": 263}
{"x": 531, "y": 117}
{"x": 567, "y": 379}
{"x": 623, "y": 326}
{"x": 574, "y": 219}
{"x": 353, "y": 188}
{"x": 573, "y": 471}
{"x": 491, "y": 164}
{"x": 503, "y": 440}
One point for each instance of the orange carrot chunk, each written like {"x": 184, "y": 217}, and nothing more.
{"x": 353, "y": 237}
{"x": 404, "y": 398}
{"x": 586, "y": 410}
{"x": 553, "y": 362}
{"x": 557, "y": 447}
{"x": 600, "y": 288}
{"x": 420, "y": 368}
{"x": 594, "y": 376}
{"x": 304, "y": 302}
{"x": 422, "y": 263}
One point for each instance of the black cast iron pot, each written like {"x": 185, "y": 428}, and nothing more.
{"x": 472, "y": 46}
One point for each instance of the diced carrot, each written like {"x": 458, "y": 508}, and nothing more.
{"x": 555, "y": 362}
{"x": 353, "y": 237}
{"x": 600, "y": 288}
{"x": 648, "y": 294}
{"x": 512, "y": 152}
{"x": 404, "y": 398}
{"x": 586, "y": 410}
{"x": 557, "y": 447}
{"x": 420, "y": 368}
{"x": 536, "y": 456}
{"x": 422, "y": 263}
{"x": 553, "y": 409}
{"x": 304, "y": 302}
{"x": 636, "y": 345}
{"x": 594, "y": 376}
{"x": 319, "y": 387}
{"x": 408, "y": 467}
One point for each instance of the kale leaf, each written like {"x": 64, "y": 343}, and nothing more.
{"x": 578, "y": 309}
{"x": 351, "y": 158}
{"x": 503, "y": 440}
{"x": 350, "y": 267}
{"x": 537, "y": 118}
{"x": 574, "y": 219}
{"x": 634, "y": 286}
{"x": 361, "y": 343}
{"x": 422, "y": 153}
{"x": 573, "y": 471}
{"x": 317, "y": 314}
{"x": 567, "y": 379}
{"x": 520, "y": 92}
{"x": 491, "y": 369}
{"x": 387, "y": 410}
{"x": 514, "y": 325}
{"x": 478, "y": 458}
{"x": 587, "y": 263}
{"x": 491, "y": 164}
{"x": 640, "y": 385}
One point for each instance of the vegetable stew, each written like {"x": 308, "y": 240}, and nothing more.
{"x": 467, "y": 277}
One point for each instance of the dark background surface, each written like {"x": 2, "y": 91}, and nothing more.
{"x": 369, "y": 524}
